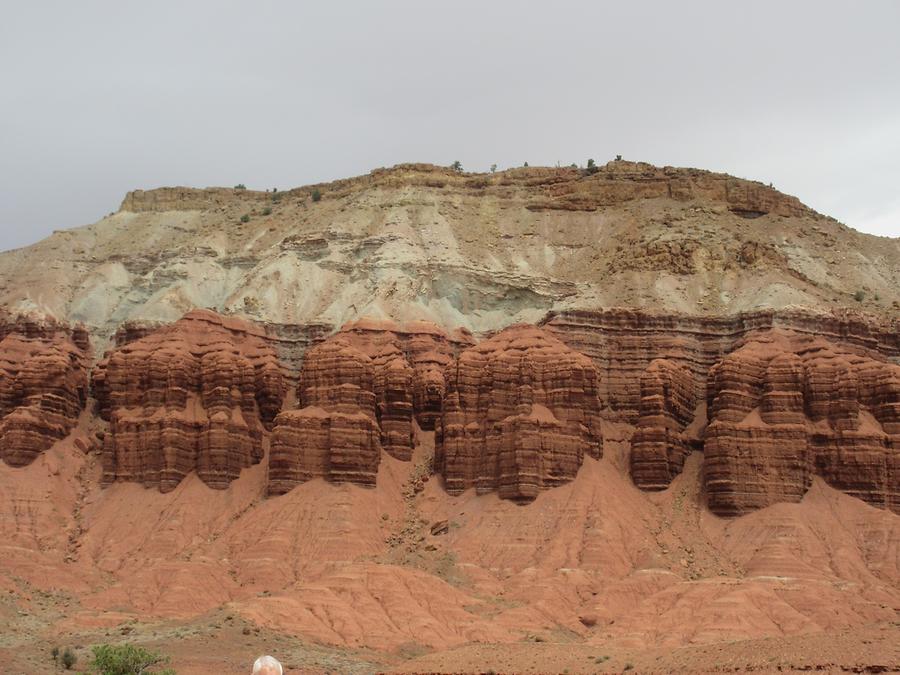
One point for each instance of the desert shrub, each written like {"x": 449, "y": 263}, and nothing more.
{"x": 245, "y": 218}
{"x": 68, "y": 658}
{"x": 859, "y": 296}
{"x": 316, "y": 195}
{"x": 240, "y": 186}
{"x": 493, "y": 168}
{"x": 456, "y": 166}
{"x": 54, "y": 653}
{"x": 267, "y": 211}
{"x": 618, "y": 158}
{"x": 592, "y": 166}
{"x": 127, "y": 660}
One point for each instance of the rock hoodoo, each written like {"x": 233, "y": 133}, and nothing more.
{"x": 520, "y": 412}
{"x": 785, "y": 407}
{"x": 43, "y": 385}
{"x": 359, "y": 392}
{"x": 659, "y": 445}
{"x": 334, "y": 435}
{"x": 192, "y": 395}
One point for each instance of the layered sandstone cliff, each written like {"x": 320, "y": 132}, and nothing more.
{"x": 520, "y": 412}
{"x": 360, "y": 391}
{"x": 43, "y": 385}
{"x": 334, "y": 435}
{"x": 194, "y": 395}
{"x": 476, "y": 250}
{"x": 785, "y": 407}
{"x": 660, "y": 443}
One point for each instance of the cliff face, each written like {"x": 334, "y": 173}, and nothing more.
{"x": 191, "y": 396}
{"x": 785, "y": 407}
{"x": 584, "y": 392}
{"x": 360, "y": 391}
{"x": 659, "y": 445}
{"x": 43, "y": 385}
{"x": 520, "y": 413}
{"x": 481, "y": 251}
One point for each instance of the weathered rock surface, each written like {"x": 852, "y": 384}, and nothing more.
{"x": 520, "y": 412}
{"x": 785, "y": 407}
{"x": 334, "y": 435}
{"x": 623, "y": 342}
{"x": 43, "y": 385}
{"x": 482, "y": 251}
{"x": 668, "y": 405}
{"x": 190, "y": 396}
{"x": 359, "y": 392}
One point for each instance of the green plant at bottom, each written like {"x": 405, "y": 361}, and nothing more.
{"x": 127, "y": 660}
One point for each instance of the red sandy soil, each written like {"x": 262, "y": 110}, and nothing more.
{"x": 342, "y": 578}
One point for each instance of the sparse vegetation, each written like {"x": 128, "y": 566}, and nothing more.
{"x": 592, "y": 166}
{"x": 618, "y": 158}
{"x": 68, "y": 659}
{"x": 267, "y": 211}
{"x": 457, "y": 166}
{"x": 493, "y": 168}
{"x": 127, "y": 660}
{"x": 245, "y": 218}
{"x": 628, "y": 666}
{"x": 525, "y": 165}
{"x": 240, "y": 186}
{"x": 860, "y": 295}
{"x": 316, "y": 195}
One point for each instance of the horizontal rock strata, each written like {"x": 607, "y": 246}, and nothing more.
{"x": 43, "y": 385}
{"x": 194, "y": 395}
{"x": 785, "y": 407}
{"x": 520, "y": 412}
{"x": 659, "y": 445}
{"x": 360, "y": 392}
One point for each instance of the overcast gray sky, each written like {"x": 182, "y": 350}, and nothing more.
{"x": 99, "y": 98}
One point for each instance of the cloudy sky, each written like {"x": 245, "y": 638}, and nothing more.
{"x": 98, "y": 98}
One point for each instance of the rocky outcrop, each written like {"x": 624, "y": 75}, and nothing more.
{"x": 660, "y": 444}
{"x": 194, "y": 395}
{"x": 784, "y": 407}
{"x": 334, "y": 435}
{"x": 520, "y": 412}
{"x": 623, "y": 342}
{"x": 359, "y": 392}
{"x": 43, "y": 385}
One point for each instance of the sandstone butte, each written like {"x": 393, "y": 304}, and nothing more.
{"x": 654, "y": 410}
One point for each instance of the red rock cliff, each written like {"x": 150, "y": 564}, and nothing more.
{"x": 43, "y": 385}
{"x": 190, "y": 396}
{"x": 520, "y": 412}
{"x": 786, "y": 406}
{"x": 359, "y": 392}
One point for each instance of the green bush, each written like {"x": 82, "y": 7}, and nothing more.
{"x": 592, "y": 167}
{"x": 245, "y": 218}
{"x": 859, "y": 296}
{"x": 240, "y": 186}
{"x": 316, "y": 195}
{"x": 68, "y": 658}
{"x": 127, "y": 660}
{"x": 456, "y": 166}
{"x": 267, "y": 211}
